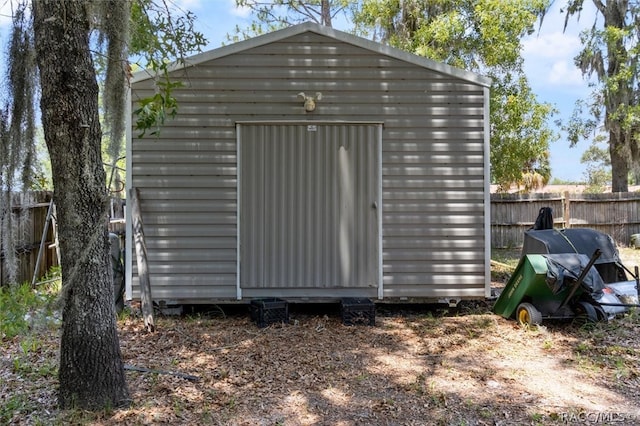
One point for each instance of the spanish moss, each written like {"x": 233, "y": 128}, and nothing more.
{"x": 21, "y": 88}
{"x": 17, "y": 131}
{"x": 6, "y": 217}
{"x": 113, "y": 17}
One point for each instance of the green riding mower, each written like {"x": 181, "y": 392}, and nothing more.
{"x": 568, "y": 274}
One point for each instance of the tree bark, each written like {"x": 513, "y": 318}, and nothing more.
{"x": 619, "y": 140}
{"x": 91, "y": 370}
{"x": 619, "y": 163}
{"x": 325, "y": 11}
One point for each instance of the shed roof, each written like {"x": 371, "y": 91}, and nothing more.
{"x": 332, "y": 33}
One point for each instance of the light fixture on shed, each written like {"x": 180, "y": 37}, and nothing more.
{"x": 310, "y": 101}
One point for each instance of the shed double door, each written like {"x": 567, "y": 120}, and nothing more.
{"x": 309, "y": 208}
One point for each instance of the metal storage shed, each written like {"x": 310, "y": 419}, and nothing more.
{"x": 381, "y": 191}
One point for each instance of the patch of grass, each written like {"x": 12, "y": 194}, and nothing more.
{"x": 16, "y": 301}
{"x": 478, "y": 326}
{"x": 231, "y": 403}
{"x": 34, "y": 370}
{"x": 126, "y": 314}
{"x": 605, "y": 346}
{"x": 586, "y": 359}
{"x": 13, "y": 405}
{"x": 178, "y": 406}
{"x": 77, "y": 416}
{"x": 533, "y": 329}
{"x": 504, "y": 262}
{"x": 418, "y": 385}
{"x": 362, "y": 377}
{"x": 426, "y": 323}
{"x": 620, "y": 360}
{"x": 509, "y": 256}
{"x": 436, "y": 398}
{"x": 473, "y": 307}
{"x": 22, "y": 305}
{"x": 486, "y": 413}
{"x": 582, "y": 347}
{"x": 537, "y": 418}
{"x": 484, "y": 321}
{"x": 26, "y": 323}
{"x": 30, "y": 362}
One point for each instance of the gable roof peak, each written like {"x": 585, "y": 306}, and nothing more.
{"x": 329, "y": 32}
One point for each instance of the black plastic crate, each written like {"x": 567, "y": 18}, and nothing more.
{"x": 269, "y": 311}
{"x": 358, "y": 311}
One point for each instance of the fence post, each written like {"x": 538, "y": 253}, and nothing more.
{"x": 567, "y": 209}
{"x": 56, "y": 241}
{"x": 45, "y": 230}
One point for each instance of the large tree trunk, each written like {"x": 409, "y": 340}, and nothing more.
{"x": 614, "y": 12}
{"x": 619, "y": 162}
{"x": 91, "y": 370}
{"x": 325, "y": 11}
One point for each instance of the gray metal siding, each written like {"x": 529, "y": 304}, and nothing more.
{"x": 433, "y": 163}
{"x": 188, "y": 197}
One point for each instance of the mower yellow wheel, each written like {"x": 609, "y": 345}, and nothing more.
{"x": 527, "y": 314}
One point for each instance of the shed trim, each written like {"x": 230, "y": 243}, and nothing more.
{"x": 128, "y": 235}
{"x": 380, "y": 213}
{"x": 487, "y": 196}
{"x": 239, "y": 206}
{"x": 327, "y": 32}
{"x": 301, "y": 122}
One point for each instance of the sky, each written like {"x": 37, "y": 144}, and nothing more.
{"x": 548, "y": 55}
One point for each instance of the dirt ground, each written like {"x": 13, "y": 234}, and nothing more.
{"x": 419, "y": 365}
{"x": 413, "y": 368}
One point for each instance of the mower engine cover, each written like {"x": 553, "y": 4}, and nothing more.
{"x": 580, "y": 241}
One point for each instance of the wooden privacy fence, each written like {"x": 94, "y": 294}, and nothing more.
{"x": 30, "y": 213}
{"x": 615, "y": 214}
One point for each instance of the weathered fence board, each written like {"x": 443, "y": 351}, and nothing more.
{"x": 615, "y": 214}
{"x": 29, "y": 213}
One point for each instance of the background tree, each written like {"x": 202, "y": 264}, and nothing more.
{"x": 610, "y": 53}
{"x": 70, "y": 41}
{"x": 585, "y": 123}
{"x": 271, "y": 15}
{"x": 481, "y": 36}
{"x": 597, "y": 160}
